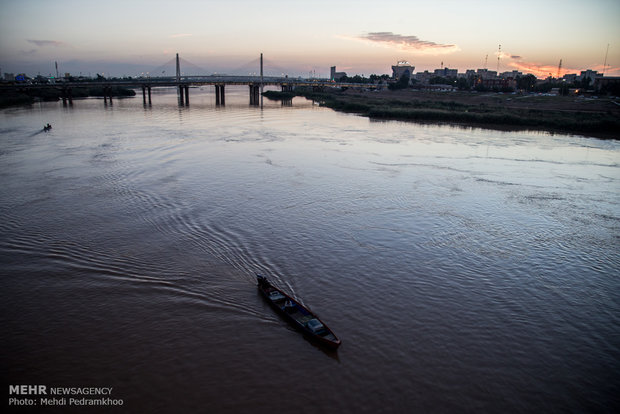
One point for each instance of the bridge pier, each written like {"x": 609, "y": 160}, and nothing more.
{"x": 220, "y": 97}
{"x": 181, "y": 95}
{"x": 107, "y": 94}
{"x": 287, "y": 87}
{"x": 145, "y": 89}
{"x": 254, "y": 94}
{"x": 67, "y": 96}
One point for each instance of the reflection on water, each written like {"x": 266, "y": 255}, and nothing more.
{"x": 464, "y": 269}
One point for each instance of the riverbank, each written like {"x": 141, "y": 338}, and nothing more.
{"x": 29, "y": 96}
{"x": 598, "y": 117}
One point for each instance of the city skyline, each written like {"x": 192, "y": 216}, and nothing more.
{"x": 359, "y": 38}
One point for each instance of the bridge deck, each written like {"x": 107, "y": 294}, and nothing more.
{"x": 194, "y": 81}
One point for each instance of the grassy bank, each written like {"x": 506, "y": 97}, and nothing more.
{"x": 29, "y": 96}
{"x": 494, "y": 111}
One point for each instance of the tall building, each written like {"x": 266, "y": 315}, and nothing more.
{"x": 590, "y": 74}
{"x": 402, "y": 68}
{"x": 336, "y": 76}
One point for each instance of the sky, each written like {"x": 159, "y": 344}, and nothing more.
{"x": 132, "y": 37}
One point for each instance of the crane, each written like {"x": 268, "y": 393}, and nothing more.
{"x": 605, "y": 64}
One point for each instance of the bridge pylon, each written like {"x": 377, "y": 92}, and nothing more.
{"x": 183, "y": 89}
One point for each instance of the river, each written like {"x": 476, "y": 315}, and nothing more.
{"x": 465, "y": 270}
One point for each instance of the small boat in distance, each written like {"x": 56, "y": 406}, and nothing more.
{"x": 47, "y": 127}
{"x": 297, "y": 314}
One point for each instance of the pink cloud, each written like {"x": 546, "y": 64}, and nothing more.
{"x": 409, "y": 43}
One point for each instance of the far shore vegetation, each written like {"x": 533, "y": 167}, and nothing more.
{"x": 598, "y": 116}
{"x": 29, "y": 96}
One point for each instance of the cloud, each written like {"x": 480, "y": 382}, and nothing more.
{"x": 544, "y": 70}
{"x": 44, "y": 43}
{"x": 174, "y": 36}
{"x": 541, "y": 70}
{"x": 519, "y": 63}
{"x": 408, "y": 43}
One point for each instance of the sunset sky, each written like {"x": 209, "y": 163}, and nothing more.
{"x": 360, "y": 37}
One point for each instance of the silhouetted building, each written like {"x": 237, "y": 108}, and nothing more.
{"x": 610, "y": 84}
{"x": 446, "y": 73}
{"x": 570, "y": 77}
{"x": 402, "y": 68}
{"x": 497, "y": 83}
{"x": 511, "y": 75}
{"x": 486, "y": 74}
{"x": 470, "y": 73}
{"x": 590, "y": 74}
{"x": 424, "y": 78}
{"x": 336, "y": 76}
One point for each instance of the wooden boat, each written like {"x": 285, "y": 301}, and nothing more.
{"x": 297, "y": 314}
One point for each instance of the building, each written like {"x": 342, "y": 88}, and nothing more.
{"x": 511, "y": 75}
{"x": 336, "y": 76}
{"x": 446, "y": 73}
{"x": 424, "y": 78}
{"x": 570, "y": 77}
{"x": 402, "y": 68}
{"x": 470, "y": 73}
{"x": 486, "y": 74}
{"x": 609, "y": 84}
{"x": 590, "y": 74}
{"x": 497, "y": 84}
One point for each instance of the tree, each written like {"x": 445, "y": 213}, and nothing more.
{"x": 439, "y": 80}
{"x": 527, "y": 82}
{"x": 402, "y": 83}
{"x": 377, "y": 78}
{"x": 463, "y": 84}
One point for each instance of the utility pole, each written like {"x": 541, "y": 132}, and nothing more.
{"x": 499, "y": 54}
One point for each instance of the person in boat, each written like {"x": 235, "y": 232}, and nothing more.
{"x": 289, "y": 306}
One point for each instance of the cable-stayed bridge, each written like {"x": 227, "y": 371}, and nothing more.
{"x": 185, "y": 75}
{"x": 188, "y": 68}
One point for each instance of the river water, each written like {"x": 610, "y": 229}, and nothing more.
{"x": 465, "y": 270}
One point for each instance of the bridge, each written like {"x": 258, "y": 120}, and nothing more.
{"x": 255, "y": 83}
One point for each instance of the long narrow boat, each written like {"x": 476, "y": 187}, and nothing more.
{"x": 297, "y": 314}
